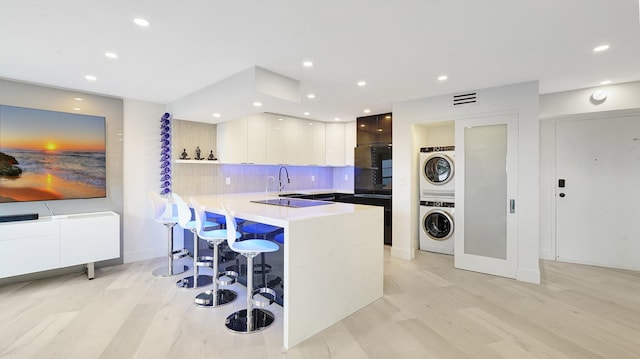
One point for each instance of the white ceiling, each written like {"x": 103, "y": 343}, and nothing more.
{"x": 398, "y": 47}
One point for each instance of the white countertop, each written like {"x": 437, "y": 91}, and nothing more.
{"x": 241, "y": 204}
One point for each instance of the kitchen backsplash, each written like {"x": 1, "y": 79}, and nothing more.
{"x": 202, "y": 179}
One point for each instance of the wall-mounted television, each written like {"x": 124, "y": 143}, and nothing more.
{"x": 48, "y": 155}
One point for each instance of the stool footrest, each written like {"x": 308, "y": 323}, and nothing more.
{"x": 181, "y": 253}
{"x": 264, "y": 301}
{"x": 227, "y": 278}
{"x": 205, "y": 261}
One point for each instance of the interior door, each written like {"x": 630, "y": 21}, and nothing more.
{"x": 598, "y": 192}
{"x": 486, "y": 195}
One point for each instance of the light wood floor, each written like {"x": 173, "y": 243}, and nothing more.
{"x": 429, "y": 310}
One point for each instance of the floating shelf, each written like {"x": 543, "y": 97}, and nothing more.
{"x": 208, "y": 162}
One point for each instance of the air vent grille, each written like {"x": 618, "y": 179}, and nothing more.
{"x": 465, "y": 99}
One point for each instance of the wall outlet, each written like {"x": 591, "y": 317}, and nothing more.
{"x": 313, "y": 178}
{"x": 227, "y": 180}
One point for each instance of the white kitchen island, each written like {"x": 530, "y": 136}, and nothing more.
{"x": 333, "y": 258}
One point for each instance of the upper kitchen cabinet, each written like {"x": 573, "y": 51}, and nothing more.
{"x": 349, "y": 142}
{"x": 257, "y": 139}
{"x": 232, "y": 141}
{"x": 335, "y": 133}
{"x": 272, "y": 139}
{"x": 374, "y": 129}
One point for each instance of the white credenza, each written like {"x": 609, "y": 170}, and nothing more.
{"x": 58, "y": 242}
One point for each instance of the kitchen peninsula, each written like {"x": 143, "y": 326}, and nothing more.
{"x": 333, "y": 257}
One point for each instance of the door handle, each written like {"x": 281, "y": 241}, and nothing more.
{"x": 512, "y": 206}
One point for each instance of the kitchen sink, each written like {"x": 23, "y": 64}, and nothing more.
{"x": 292, "y": 202}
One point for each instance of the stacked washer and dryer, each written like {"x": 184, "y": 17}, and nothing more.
{"x": 437, "y": 199}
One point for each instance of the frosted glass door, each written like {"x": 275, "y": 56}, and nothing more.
{"x": 486, "y": 223}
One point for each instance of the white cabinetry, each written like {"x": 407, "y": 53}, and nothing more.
{"x": 335, "y": 152}
{"x": 257, "y": 139}
{"x": 50, "y": 243}
{"x": 281, "y": 140}
{"x": 232, "y": 141}
{"x": 350, "y": 135}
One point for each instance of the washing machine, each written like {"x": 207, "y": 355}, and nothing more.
{"x": 437, "y": 226}
{"x": 437, "y": 166}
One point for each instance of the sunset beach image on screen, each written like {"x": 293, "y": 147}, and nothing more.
{"x": 48, "y": 155}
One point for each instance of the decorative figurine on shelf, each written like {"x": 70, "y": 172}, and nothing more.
{"x": 184, "y": 155}
{"x": 198, "y": 153}
{"x": 211, "y": 156}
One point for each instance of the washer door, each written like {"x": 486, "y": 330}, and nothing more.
{"x": 437, "y": 224}
{"x": 438, "y": 169}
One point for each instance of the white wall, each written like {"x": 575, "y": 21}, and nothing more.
{"x": 410, "y": 116}
{"x": 574, "y": 105}
{"x": 143, "y": 237}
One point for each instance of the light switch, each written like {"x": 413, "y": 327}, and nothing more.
{"x": 228, "y": 180}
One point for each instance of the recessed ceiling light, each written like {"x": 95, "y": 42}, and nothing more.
{"x": 90, "y": 77}
{"x": 362, "y": 125}
{"x": 77, "y": 108}
{"x": 257, "y": 104}
{"x": 362, "y": 83}
{"x": 366, "y": 110}
{"x": 600, "y": 48}
{"x": 141, "y": 22}
{"x": 311, "y": 96}
{"x": 78, "y": 99}
{"x": 379, "y": 130}
{"x": 216, "y": 115}
{"x": 280, "y": 119}
{"x": 442, "y": 77}
{"x": 111, "y": 55}
{"x": 307, "y": 64}
{"x": 307, "y": 113}
{"x": 310, "y": 124}
{"x": 337, "y": 119}
{"x": 606, "y": 82}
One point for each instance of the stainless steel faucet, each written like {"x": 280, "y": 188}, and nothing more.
{"x": 280, "y": 177}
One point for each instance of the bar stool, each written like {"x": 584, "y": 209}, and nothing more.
{"x": 251, "y": 319}
{"x": 159, "y": 209}
{"x": 261, "y": 229}
{"x": 216, "y": 296}
{"x": 184, "y": 220}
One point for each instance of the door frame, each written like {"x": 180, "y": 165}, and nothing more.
{"x": 550, "y": 252}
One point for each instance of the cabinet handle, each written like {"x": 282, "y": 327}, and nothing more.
{"x": 512, "y": 206}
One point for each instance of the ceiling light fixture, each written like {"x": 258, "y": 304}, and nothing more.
{"x": 600, "y": 48}
{"x": 141, "y": 22}
{"x": 307, "y": 64}
{"x": 78, "y": 99}
{"x": 307, "y": 113}
{"x": 311, "y": 96}
{"x": 77, "y": 108}
{"x": 362, "y": 83}
{"x": 111, "y": 55}
{"x": 257, "y": 104}
{"x": 606, "y": 82}
{"x": 337, "y": 119}
{"x": 280, "y": 119}
{"x": 366, "y": 110}
{"x": 216, "y": 115}
{"x": 90, "y": 77}
{"x": 442, "y": 77}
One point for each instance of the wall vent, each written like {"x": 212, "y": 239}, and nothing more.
{"x": 465, "y": 99}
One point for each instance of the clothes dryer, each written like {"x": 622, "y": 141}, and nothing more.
{"x": 437, "y": 165}
{"x": 437, "y": 226}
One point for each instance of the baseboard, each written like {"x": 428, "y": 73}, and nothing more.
{"x": 405, "y": 254}
{"x": 145, "y": 254}
{"x": 529, "y": 276}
